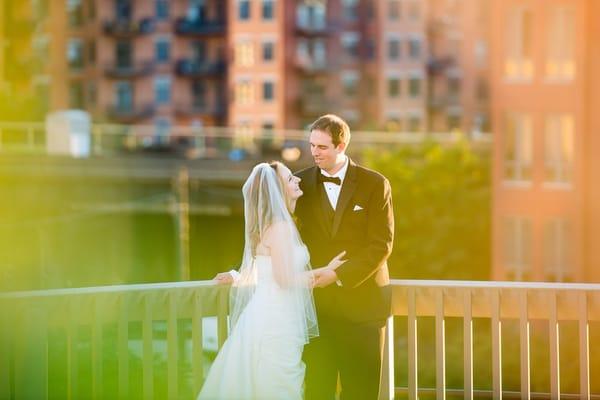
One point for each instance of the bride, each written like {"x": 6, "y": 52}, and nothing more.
{"x": 272, "y": 310}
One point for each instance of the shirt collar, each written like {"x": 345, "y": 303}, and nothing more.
{"x": 341, "y": 173}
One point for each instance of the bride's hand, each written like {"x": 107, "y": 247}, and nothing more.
{"x": 336, "y": 261}
{"x": 223, "y": 278}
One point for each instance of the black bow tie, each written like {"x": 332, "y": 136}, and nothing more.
{"x": 332, "y": 179}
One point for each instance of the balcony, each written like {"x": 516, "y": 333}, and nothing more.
{"x": 314, "y": 104}
{"x": 442, "y": 101}
{"x": 139, "y": 336}
{"x": 130, "y": 114}
{"x": 188, "y": 27}
{"x": 129, "y": 71}
{"x": 436, "y": 65}
{"x": 123, "y": 28}
{"x": 189, "y": 110}
{"x": 314, "y": 29}
{"x": 200, "y": 69}
{"x": 314, "y": 67}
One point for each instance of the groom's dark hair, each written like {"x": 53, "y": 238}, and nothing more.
{"x": 335, "y": 126}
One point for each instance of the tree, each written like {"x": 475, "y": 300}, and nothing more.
{"x": 441, "y": 195}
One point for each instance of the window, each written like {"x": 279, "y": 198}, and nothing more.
{"x": 123, "y": 54}
{"x": 75, "y": 56}
{"x": 75, "y": 13}
{"x": 311, "y": 15}
{"x": 394, "y": 49}
{"x": 268, "y": 91}
{"x": 244, "y": 93}
{"x": 92, "y": 93}
{"x": 518, "y": 147}
{"x": 516, "y": 238}
{"x": 76, "y": 96}
{"x": 371, "y": 49}
{"x": 162, "y": 89}
{"x": 414, "y": 10}
{"x": 268, "y": 49}
{"x": 124, "y": 95}
{"x": 453, "y": 88}
{"x": 123, "y": 9}
{"x": 244, "y": 54}
{"x": 557, "y": 250}
{"x": 162, "y": 48}
{"x": 162, "y": 9}
{"x": 92, "y": 51}
{"x": 393, "y": 10}
{"x": 350, "y": 9}
{"x": 350, "y": 45}
{"x": 558, "y": 149}
{"x": 244, "y": 9}
{"x": 162, "y": 126}
{"x": 393, "y": 124}
{"x": 350, "y": 83}
{"x": 414, "y": 48}
{"x": 519, "y": 52}
{"x": 393, "y": 87}
{"x": 453, "y": 121}
{"x": 415, "y": 123}
{"x": 198, "y": 94}
{"x": 268, "y": 9}
{"x": 560, "y": 53}
{"x": 414, "y": 86}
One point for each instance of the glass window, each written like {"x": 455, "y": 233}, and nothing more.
{"x": 350, "y": 45}
{"x": 268, "y": 9}
{"x": 393, "y": 87}
{"x": 414, "y": 48}
{"x": 268, "y": 49}
{"x": 244, "y": 9}
{"x": 244, "y": 53}
{"x": 244, "y": 93}
{"x": 350, "y": 9}
{"x": 558, "y": 148}
{"x": 162, "y": 50}
{"x": 393, "y": 10}
{"x": 75, "y": 56}
{"x": 518, "y": 151}
{"x": 162, "y": 89}
{"x": 516, "y": 255}
{"x": 560, "y": 53}
{"x": 350, "y": 83}
{"x": 162, "y": 9}
{"x": 557, "y": 250}
{"x": 76, "y": 96}
{"x": 394, "y": 49}
{"x": 414, "y": 86}
{"x": 519, "y": 51}
{"x": 415, "y": 123}
{"x": 268, "y": 91}
{"x": 75, "y": 13}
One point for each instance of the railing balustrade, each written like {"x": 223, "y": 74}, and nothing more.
{"x": 37, "y": 323}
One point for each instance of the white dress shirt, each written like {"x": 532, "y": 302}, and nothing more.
{"x": 333, "y": 190}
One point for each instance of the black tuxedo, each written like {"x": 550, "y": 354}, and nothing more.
{"x": 350, "y": 316}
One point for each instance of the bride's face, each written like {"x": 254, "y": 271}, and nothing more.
{"x": 290, "y": 181}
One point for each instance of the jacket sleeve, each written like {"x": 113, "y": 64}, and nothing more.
{"x": 379, "y": 238}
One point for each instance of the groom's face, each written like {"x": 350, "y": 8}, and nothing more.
{"x": 324, "y": 152}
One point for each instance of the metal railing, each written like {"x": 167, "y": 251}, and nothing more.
{"x": 206, "y": 142}
{"x": 29, "y": 319}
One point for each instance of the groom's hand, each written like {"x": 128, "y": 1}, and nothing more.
{"x": 325, "y": 277}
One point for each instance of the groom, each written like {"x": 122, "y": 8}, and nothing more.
{"x": 345, "y": 207}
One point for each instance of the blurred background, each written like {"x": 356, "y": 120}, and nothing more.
{"x": 127, "y": 128}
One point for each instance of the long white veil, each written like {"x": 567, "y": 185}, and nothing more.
{"x": 265, "y": 210}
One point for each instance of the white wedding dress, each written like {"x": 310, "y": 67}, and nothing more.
{"x": 262, "y": 357}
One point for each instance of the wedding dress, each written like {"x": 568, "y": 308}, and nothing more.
{"x": 272, "y": 318}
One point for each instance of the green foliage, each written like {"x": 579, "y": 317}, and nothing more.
{"x": 441, "y": 195}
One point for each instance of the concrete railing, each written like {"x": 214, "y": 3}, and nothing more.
{"x": 37, "y": 323}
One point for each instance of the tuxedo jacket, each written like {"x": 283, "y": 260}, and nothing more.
{"x": 362, "y": 225}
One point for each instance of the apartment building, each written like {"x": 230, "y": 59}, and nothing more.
{"x": 546, "y": 201}
{"x": 410, "y": 65}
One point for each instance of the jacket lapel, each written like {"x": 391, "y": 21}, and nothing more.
{"x": 313, "y": 197}
{"x": 348, "y": 188}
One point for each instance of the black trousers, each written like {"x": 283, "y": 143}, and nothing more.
{"x": 354, "y": 350}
